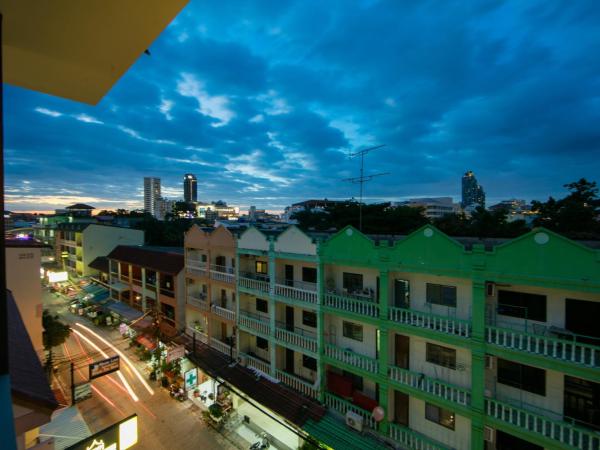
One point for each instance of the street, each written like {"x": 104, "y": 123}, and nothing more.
{"x": 163, "y": 423}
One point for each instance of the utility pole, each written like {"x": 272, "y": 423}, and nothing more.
{"x": 362, "y": 179}
{"x": 72, "y": 384}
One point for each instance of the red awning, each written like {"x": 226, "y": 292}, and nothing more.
{"x": 143, "y": 340}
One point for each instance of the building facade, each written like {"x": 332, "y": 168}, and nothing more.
{"x": 433, "y": 207}
{"x": 190, "y": 188}
{"x": 78, "y": 244}
{"x": 472, "y": 192}
{"x": 150, "y": 279}
{"x": 462, "y": 345}
{"x": 211, "y": 295}
{"x": 151, "y": 194}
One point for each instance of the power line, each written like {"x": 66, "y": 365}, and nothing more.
{"x": 362, "y": 179}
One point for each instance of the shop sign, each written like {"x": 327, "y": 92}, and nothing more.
{"x": 120, "y": 436}
{"x": 83, "y": 391}
{"x": 57, "y": 277}
{"x": 191, "y": 379}
{"x": 175, "y": 353}
{"x": 104, "y": 367}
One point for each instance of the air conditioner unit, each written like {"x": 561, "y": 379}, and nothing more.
{"x": 242, "y": 360}
{"x": 489, "y": 362}
{"x": 490, "y": 289}
{"x": 354, "y": 420}
{"x": 489, "y": 434}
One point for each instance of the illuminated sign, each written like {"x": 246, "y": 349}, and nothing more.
{"x": 191, "y": 379}
{"x": 120, "y": 436}
{"x": 104, "y": 367}
{"x": 57, "y": 277}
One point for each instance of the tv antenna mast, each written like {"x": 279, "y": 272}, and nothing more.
{"x": 362, "y": 179}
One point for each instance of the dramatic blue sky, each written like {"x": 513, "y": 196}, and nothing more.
{"x": 263, "y": 100}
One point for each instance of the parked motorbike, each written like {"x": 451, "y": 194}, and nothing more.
{"x": 262, "y": 444}
{"x": 177, "y": 393}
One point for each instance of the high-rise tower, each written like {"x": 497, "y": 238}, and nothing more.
{"x": 151, "y": 194}
{"x": 472, "y": 192}
{"x": 190, "y": 188}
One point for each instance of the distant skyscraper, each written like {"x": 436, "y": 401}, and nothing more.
{"x": 151, "y": 194}
{"x": 472, "y": 192}
{"x": 190, "y": 188}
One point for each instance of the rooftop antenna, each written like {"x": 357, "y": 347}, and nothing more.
{"x": 362, "y": 179}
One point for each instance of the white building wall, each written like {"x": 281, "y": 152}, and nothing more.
{"x": 293, "y": 240}
{"x": 99, "y": 240}
{"x": 254, "y": 240}
{"x": 459, "y": 438}
{"x": 334, "y": 334}
{"x": 418, "y": 290}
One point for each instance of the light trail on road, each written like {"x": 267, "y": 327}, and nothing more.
{"x": 122, "y": 355}
{"x": 94, "y": 388}
{"x": 119, "y": 374}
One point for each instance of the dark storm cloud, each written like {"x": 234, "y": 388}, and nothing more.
{"x": 264, "y": 100}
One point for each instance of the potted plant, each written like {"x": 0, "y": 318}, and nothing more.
{"x": 164, "y": 381}
{"x": 216, "y": 412}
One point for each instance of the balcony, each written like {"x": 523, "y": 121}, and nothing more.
{"x": 428, "y": 321}
{"x": 552, "y": 347}
{"x": 254, "y": 282}
{"x": 563, "y": 433}
{"x": 222, "y": 273}
{"x": 256, "y": 363}
{"x": 224, "y": 313}
{"x": 297, "y": 383}
{"x": 362, "y": 307}
{"x": 200, "y": 336}
{"x": 196, "y": 267}
{"x": 255, "y": 322}
{"x": 411, "y": 439}
{"x": 298, "y": 337}
{"x": 223, "y": 347}
{"x": 297, "y": 291}
{"x": 352, "y": 359}
{"x": 430, "y": 385}
{"x": 343, "y": 406}
{"x": 199, "y": 301}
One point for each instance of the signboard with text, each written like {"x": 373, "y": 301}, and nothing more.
{"x": 120, "y": 436}
{"x": 82, "y": 391}
{"x": 104, "y": 367}
{"x": 175, "y": 353}
{"x": 191, "y": 379}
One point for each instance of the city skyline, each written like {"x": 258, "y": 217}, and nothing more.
{"x": 265, "y": 113}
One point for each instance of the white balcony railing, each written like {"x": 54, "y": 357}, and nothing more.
{"x": 364, "y": 307}
{"x": 342, "y": 406}
{"x": 302, "y": 340}
{"x": 254, "y": 322}
{"x": 199, "y": 301}
{"x": 413, "y": 440}
{"x": 565, "y": 350}
{"x": 248, "y": 281}
{"x": 298, "y": 384}
{"x": 200, "y": 336}
{"x": 297, "y": 293}
{"x": 252, "y": 361}
{"x": 562, "y": 432}
{"x": 430, "y": 385}
{"x": 223, "y": 312}
{"x": 442, "y": 324}
{"x": 352, "y": 358}
{"x": 223, "y": 347}
{"x": 222, "y": 273}
{"x": 195, "y": 267}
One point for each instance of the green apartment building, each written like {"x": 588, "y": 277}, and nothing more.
{"x": 428, "y": 341}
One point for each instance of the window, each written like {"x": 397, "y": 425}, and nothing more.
{"x": 309, "y": 274}
{"x": 442, "y": 356}
{"x": 262, "y": 343}
{"x": 309, "y": 319}
{"x": 203, "y": 258}
{"x": 439, "y": 415}
{"x": 522, "y": 377}
{"x": 438, "y": 294}
{"x": 353, "y": 331}
{"x": 352, "y": 282}
{"x": 357, "y": 381}
{"x": 520, "y": 304}
{"x": 261, "y": 267}
{"x": 309, "y": 363}
{"x": 262, "y": 305}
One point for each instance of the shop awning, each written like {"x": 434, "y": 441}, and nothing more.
{"x": 143, "y": 340}
{"x": 117, "y": 286}
{"x": 143, "y": 324}
{"x": 125, "y": 311}
{"x": 336, "y": 434}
